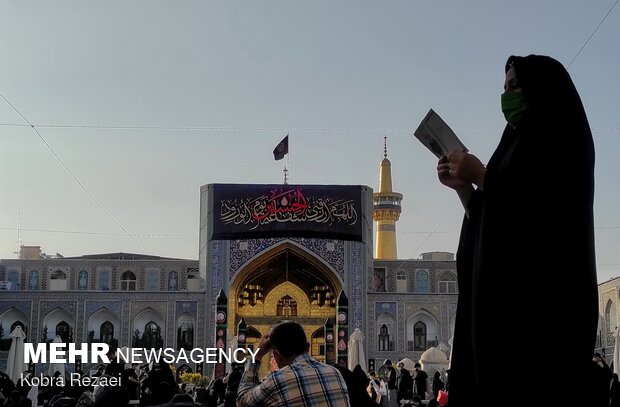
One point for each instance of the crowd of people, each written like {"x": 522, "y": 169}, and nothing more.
{"x": 156, "y": 386}
{"x": 140, "y": 385}
{"x": 295, "y": 379}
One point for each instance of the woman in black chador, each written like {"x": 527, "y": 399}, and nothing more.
{"x": 526, "y": 265}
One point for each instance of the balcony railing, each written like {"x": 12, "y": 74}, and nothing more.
{"x": 429, "y": 344}
{"x": 8, "y": 286}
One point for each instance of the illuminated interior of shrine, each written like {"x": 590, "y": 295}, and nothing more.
{"x": 287, "y": 284}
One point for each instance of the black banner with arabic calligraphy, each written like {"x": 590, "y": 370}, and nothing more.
{"x": 257, "y": 211}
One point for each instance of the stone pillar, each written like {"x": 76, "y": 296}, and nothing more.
{"x": 242, "y": 329}
{"x": 342, "y": 330}
{"x": 221, "y": 324}
{"x": 330, "y": 355}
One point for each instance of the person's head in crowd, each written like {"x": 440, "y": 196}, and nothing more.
{"x": 400, "y": 365}
{"x": 387, "y": 363}
{"x": 287, "y": 340}
{"x": 182, "y": 398}
{"x": 417, "y": 367}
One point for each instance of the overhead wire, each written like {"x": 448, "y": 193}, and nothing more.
{"x": 260, "y": 129}
{"x": 171, "y": 235}
{"x": 80, "y": 232}
{"x": 75, "y": 178}
{"x": 592, "y": 35}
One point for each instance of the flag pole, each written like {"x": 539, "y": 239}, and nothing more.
{"x": 288, "y": 161}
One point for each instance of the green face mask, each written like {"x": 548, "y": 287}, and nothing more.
{"x": 513, "y": 106}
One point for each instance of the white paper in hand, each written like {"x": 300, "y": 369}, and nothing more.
{"x": 437, "y": 136}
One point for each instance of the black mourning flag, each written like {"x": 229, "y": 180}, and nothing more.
{"x": 281, "y": 149}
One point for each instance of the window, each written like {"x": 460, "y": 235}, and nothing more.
{"x": 447, "y": 284}
{"x": 106, "y": 332}
{"x": 104, "y": 280}
{"x": 194, "y": 282}
{"x": 401, "y": 282}
{"x": 421, "y": 282}
{"x": 83, "y": 280}
{"x": 64, "y": 331}
{"x": 173, "y": 281}
{"x": 192, "y": 273}
{"x": 384, "y": 339}
{"x": 59, "y": 275}
{"x": 378, "y": 280}
{"x": 422, "y": 331}
{"x": 33, "y": 281}
{"x": 13, "y": 279}
{"x": 58, "y": 281}
{"x": 185, "y": 336}
{"x": 152, "y": 280}
{"x": 287, "y": 307}
{"x": 447, "y": 287}
{"x": 419, "y": 336}
{"x": 610, "y": 317}
{"x": 151, "y": 338}
{"x": 128, "y": 281}
{"x": 385, "y": 326}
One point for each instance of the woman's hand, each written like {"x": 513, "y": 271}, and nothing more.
{"x": 449, "y": 180}
{"x": 465, "y": 167}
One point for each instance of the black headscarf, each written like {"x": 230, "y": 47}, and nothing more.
{"x": 526, "y": 252}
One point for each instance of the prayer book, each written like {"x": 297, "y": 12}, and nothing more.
{"x": 437, "y": 136}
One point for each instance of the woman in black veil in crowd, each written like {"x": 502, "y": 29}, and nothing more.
{"x": 356, "y": 382}
{"x": 526, "y": 264}
{"x": 160, "y": 385}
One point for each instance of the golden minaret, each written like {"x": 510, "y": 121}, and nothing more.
{"x": 386, "y": 211}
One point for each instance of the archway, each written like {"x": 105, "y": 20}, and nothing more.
{"x": 63, "y": 330}
{"x": 106, "y": 332}
{"x": 286, "y": 282}
{"x": 148, "y": 329}
{"x": 10, "y": 318}
{"x": 422, "y": 331}
{"x": 103, "y": 326}
{"x": 185, "y": 332}
{"x": 52, "y": 325}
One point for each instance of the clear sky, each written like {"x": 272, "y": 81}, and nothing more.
{"x": 145, "y": 101}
